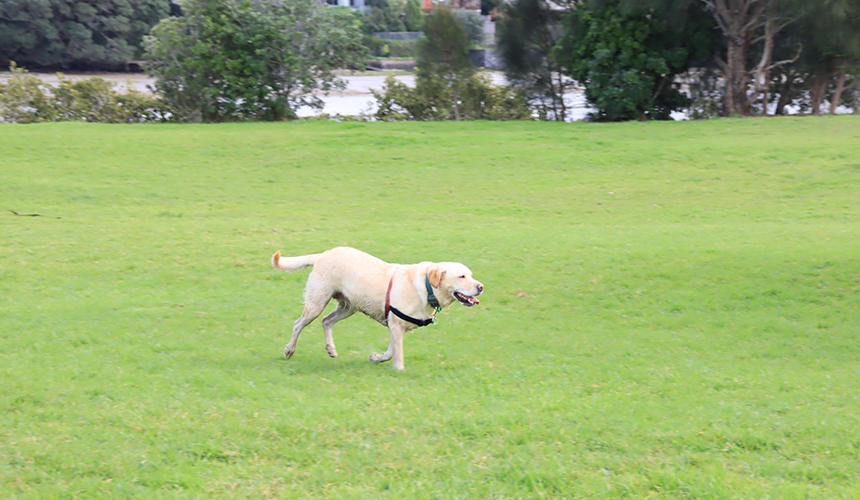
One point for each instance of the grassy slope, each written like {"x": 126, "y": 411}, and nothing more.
{"x": 671, "y": 308}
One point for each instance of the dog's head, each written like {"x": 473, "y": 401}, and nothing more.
{"x": 455, "y": 280}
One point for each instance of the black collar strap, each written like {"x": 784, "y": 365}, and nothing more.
{"x": 431, "y": 297}
{"x": 419, "y": 322}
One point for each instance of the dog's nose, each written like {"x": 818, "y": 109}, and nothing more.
{"x": 480, "y": 288}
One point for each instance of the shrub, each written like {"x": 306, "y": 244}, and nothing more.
{"x": 95, "y": 100}
{"x": 477, "y": 99}
{"x": 446, "y": 85}
{"x": 484, "y": 101}
{"x": 473, "y": 25}
{"x": 401, "y": 48}
{"x": 244, "y": 60}
{"x": 25, "y": 99}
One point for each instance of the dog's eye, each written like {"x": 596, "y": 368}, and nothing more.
{"x": 463, "y": 276}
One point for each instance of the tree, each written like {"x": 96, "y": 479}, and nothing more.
{"x": 251, "y": 60}
{"x": 446, "y": 85}
{"x": 66, "y": 33}
{"x": 443, "y": 58}
{"x": 473, "y": 25}
{"x": 628, "y": 53}
{"x": 788, "y": 47}
{"x": 527, "y": 36}
{"x": 382, "y": 16}
{"x": 413, "y": 16}
{"x": 743, "y": 24}
{"x": 829, "y": 56}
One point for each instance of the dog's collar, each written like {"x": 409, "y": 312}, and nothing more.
{"x": 414, "y": 321}
{"x": 431, "y": 297}
{"x": 418, "y": 322}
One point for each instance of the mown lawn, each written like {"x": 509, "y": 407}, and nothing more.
{"x": 671, "y": 310}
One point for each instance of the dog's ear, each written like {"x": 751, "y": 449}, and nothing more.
{"x": 435, "y": 275}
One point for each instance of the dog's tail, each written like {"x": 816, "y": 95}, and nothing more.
{"x": 293, "y": 263}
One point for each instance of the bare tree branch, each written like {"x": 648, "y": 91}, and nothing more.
{"x": 786, "y": 61}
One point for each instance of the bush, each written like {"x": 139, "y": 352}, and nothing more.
{"x": 627, "y": 56}
{"x": 242, "y": 60}
{"x": 446, "y": 85}
{"x": 473, "y": 25}
{"x": 484, "y": 101}
{"x": 25, "y": 99}
{"x": 401, "y": 48}
{"x": 95, "y": 100}
{"x": 477, "y": 99}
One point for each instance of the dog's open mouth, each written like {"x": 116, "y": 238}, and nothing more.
{"x": 466, "y": 300}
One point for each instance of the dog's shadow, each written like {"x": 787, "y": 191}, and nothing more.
{"x": 348, "y": 363}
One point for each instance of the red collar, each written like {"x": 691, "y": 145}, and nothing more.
{"x": 388, "y": 296}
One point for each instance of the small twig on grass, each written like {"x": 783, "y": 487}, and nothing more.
{"x": 33, "y": 215}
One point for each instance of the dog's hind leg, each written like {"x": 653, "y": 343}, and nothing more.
{"x": 381, "y": 358}
{"x": 298, "y": 326}
{"x": 316, "y": 298}
{"x": 343, "y": 311}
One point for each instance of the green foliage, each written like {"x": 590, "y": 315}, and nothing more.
{"x": 392, "y": 48}
{"x": 382, "y": 16}
{"x": 396, "y": 15}
{"x": 396, "y": 101}
{"x": 413, "y": 16}
{"x": 527, "y": 35}
{"x": 484, "y": 101}
{"x": 25, "y": 99}
{"x": 443, "y": 64}
{"x": 95, "y": 100}
{"x": 819, "y": 55}
{"x": 627, "y": 54}
{"x": 446, "y": 85}
{"x": 70, "y": 33}
{"x": 671, "y": 311}
{"x": 444, "y": 48}
{"x": 478, "y": 98}
{"x": 244, "y": 60}
{"x": 473, "y": 25}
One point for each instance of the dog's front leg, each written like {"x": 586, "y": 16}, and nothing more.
{"x": 395, "y": 348}
{"x": 397, "y": 334}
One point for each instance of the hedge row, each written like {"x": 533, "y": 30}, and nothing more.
{"x": 25, "y": 98}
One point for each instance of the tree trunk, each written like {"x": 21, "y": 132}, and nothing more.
{"x": 736, "y": 84}
{"x": 561, "y": 112}
{"x": 819, "y": 86}
{"x": 762, "y": 71}
{"x": 786, "y": 93}
{"x": 739, "y": 20}
{"x": 837, "y": 93}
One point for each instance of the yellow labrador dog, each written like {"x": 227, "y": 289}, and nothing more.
{"x": 401, "y": 297}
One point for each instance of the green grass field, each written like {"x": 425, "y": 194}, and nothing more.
{"x": 672, "y": 310}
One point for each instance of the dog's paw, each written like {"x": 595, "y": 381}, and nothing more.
{"x": 332, "y": 352}
{"x": 289, "y": 351}
{"x": 377, "y": 358}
